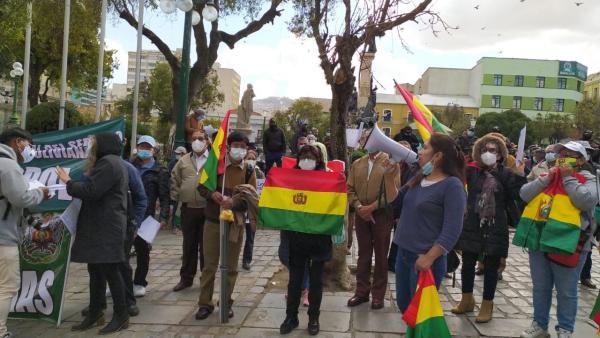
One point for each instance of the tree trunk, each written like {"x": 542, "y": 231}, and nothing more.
{"x": 336, "y": 271}
{"x": 34, "y": 85}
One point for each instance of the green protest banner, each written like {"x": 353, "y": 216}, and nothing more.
{"x": 45, "y": 248}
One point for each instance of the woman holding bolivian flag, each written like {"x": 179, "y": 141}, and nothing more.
{"x": 556, "y": 227}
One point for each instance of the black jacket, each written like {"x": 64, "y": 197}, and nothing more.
{"x": 489, "y": 239}
{"x": 274, "y": 140}
{"x": 156, "y": 185}
{"x": 103, "y": 217}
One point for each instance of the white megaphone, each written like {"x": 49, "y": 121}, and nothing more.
{"x": 377, "y": 141}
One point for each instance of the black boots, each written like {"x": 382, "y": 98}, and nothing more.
{"x": 313, "y": 325}
{"x": 119, "y": 322}
{"x": 290, "y": 323}
{"x": 89, "y": 322}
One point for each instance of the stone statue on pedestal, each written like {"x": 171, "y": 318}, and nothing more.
{"x": 245, "y": 109}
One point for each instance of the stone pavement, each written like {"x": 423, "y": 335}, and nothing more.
{"x": 258, "y": 312}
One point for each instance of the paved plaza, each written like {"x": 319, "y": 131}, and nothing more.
{"x": 260, "y": 305}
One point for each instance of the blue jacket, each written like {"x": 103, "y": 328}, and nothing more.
{"x": 138, "y": 195}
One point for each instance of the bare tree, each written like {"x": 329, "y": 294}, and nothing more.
{"x": 338, "y": 39}
{"x": 207, "y": 42}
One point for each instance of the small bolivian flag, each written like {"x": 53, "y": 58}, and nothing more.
{"x": 424, "y": 316}
{"x": 215, "y": 164}
{"x": 306, "y": 201}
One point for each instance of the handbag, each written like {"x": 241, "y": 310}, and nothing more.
{"x": 569, "y": 261}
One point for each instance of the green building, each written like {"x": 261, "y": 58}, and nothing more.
{"x": 532, "y": 86}
{"x": 497, "y": 84}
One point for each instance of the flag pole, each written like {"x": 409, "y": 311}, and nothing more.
{"x": 223, "y": 251}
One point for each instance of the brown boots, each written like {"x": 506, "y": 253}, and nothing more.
{"x": 467, "y": 304}
{"x": 485, "y": 312}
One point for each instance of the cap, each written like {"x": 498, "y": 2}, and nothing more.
{"x": 147, "y": 139}
{"x": 573, "y": 146}
{"x": 180, "y": 150}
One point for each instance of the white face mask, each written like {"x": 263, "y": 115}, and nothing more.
{"x": 198, "y": 146}
{"x": 488, "y": 158}
{"x": 28, "y": 154}
{"x": 307, "y": 164}
{"x": 237, "y": 153}
{"x": 251, "y": 163}
{"x": 178, "y": 157}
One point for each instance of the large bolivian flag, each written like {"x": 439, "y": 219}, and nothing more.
{"x": 303, "y": 200}
{"x": 424, "y": 316}
{"x": 550, "y": 221}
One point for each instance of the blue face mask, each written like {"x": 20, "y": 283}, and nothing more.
{"x": 144, "y": 154}
{"x": 427, "y": 169}
{"x": 550, "y": 157}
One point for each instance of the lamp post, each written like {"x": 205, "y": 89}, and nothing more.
{"x": 15, "y": 74}
{"x": 209, "y": 13}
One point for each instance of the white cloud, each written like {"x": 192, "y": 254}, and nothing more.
{"x": 120, "y": 75}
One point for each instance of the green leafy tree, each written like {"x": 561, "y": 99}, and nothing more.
{"x": 46, "y": 44}
{"x": 257, "y": 13}
{"x": 587, "y": 116}
{"x": 44, "y": 117}
{"x": 510, "y": 122}
{"x": 303, "y": 110}
{"x": 124, "y": 107}
{"x": 454, "y": 118}
{"x": 552, "y": 128}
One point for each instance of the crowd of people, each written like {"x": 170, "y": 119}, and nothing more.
{"x": 459, "y": 199}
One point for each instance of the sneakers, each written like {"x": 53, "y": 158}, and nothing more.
{"x": 305, "y": 297}
{"x": 139, "y": 291}
{"x": 562, "y": 333}
{"x": 536, "y": 331}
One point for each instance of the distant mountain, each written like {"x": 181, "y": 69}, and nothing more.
{"x": 271, "y": 104}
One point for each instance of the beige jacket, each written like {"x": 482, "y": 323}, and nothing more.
{"x": 538, "y": 170}
{"x": 363, "y": 190}
{"x": 184, "y": 183}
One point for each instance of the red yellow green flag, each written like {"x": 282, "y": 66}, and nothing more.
{"x": 595, "y": 315}
{"x": 424, "y": 315}
{"x": 303, "y": 200}
{"x": 426, "y": 122}
{"x": 550, "y": 222}
{"x": 215, "y": 164}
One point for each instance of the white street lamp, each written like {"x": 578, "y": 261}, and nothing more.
{"x": 210, "y": 12}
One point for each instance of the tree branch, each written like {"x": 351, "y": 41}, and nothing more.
{"x": 326, "y": 64}
{"x": 254, "y": 26}
{"x": 126, "y": 15}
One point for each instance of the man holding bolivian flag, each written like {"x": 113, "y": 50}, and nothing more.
{"x": 557, "y": 227}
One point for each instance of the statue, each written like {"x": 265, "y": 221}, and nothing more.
{"x": 369, "y": 115}
{"x": 245, "y": 109}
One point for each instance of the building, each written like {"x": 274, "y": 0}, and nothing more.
{"x": 150, "y": 58}
{"x": 229, "y": 85}
{"x": 118, "y": 92}
{"x": 592, "y": 87}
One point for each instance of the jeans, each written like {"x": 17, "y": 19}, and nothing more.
{"x": 586, "y": 272}
{"x": 298, "y": 264}
{"x": 284, "y": 257}
{"x": 248, "y": 244}
{"x": 272, "y": 158}
{"x": 10, "y": 280}
{"x": 99, "y": 275}
{"x": 546, "y": 275}
{"x": 142, "y": 250}
{"x": 490, "y": 277}
{"x": 407, "y": 277}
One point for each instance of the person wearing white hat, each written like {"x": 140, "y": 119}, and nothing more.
{"x": 156, "y": 184}
{"x": 579, "y": 183}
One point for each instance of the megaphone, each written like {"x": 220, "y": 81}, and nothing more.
{"x": 378, "y": 141}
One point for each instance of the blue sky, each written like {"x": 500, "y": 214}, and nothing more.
{"x": 280, "y": 64}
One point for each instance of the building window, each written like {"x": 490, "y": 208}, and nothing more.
{"x": 516, "y": 102}
{"x": 496, "y": 101}
{"x": 540, "y": 82}
{"x": 538, "y": 103}
{"x": 387, "y": 131}
{"x": 578, "y": 86}
{"x": 497, "y": 80}
{"x": 562, "y": 83}
{"x": 387, "y": 115}
{"x": 559, "y": 105}
{"x": 519, "y": 80}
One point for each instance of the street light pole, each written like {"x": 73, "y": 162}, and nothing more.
{"x": 99, "y": 84}
{"x": 15, "y": 73}
{"x": 24, "y": 100}
{"x": 184, "y": 80}
{"x": 63, "y": 72}
{"x": 138, "y": 68}
{"x": 15, "y": 117}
